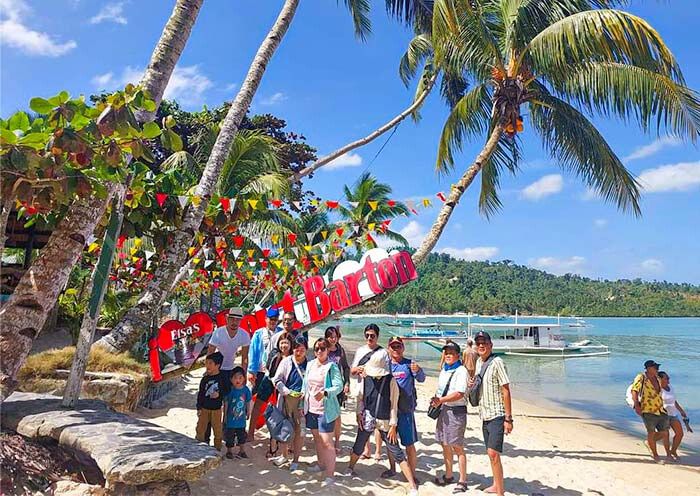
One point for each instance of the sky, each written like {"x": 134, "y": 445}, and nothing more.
{"x": 334, "y": 88}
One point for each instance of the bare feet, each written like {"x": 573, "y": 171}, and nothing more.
{"x": 492, "y": 490}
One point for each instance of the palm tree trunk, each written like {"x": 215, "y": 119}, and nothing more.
{"x": 138, "y": 319}
{"x": 456, "y": 193}
{"x": 25, "y": 313}
{"x": 28, "y": 308}
{"x": 4, "y": 216}
{"x": 167, "y": 52}
{"x": 370, "y": 137}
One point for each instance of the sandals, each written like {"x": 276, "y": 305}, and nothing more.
{"x": 461, "y": 487}
{"x": 443, "y": 481}
{"x": 387, "y": 474}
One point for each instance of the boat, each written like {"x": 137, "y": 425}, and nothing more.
{"x": 529, "y": 339}
{"x": 423, "y": 325}
{"x": 499, "y": 317}
{"x": 579, "y": 322}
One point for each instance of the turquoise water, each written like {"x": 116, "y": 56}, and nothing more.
{"x": 593, "y": 386}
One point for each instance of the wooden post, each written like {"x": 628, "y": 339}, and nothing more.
{"x": 100, "y": 278}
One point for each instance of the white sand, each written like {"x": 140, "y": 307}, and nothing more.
{"x": 548, "y": 453}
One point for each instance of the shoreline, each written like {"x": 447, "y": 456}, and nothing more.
{"x": 551, "y": 452}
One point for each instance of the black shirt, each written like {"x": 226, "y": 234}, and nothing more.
{"x": 209, "y": 385}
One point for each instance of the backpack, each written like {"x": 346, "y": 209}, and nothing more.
{"x": 474, "y": 392}
{"x": 628, "y": 395}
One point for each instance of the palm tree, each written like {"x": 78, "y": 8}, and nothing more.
{"x": 371, "y": 205}
{"x": 25, "y": 313}
{"x": 560, "y": 60}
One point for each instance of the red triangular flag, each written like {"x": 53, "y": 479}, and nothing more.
{"x": 441, "y": 195}
{"x": 276, "y": 203}
{"x": 331, "y": 204}
{"x": 391, "y": 203}
{"x": 339, "y": 231}
{"x": 238, "y": 241}
{"x": 160, "y": 198}
{"x": 292, "y": 238}
{"x": 225, "y": 204}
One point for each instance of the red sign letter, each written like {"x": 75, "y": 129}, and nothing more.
{"x": 315, "y": 297}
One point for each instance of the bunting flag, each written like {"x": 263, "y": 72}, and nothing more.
{"x": 332, "y": 204}
{"x": 391, "y": 203}
{"x": 373, "y": 204}
{"x": 160, "y": 198}
{"x": 292, "y": 238}
{"x": 225, "y": 204}
{"x": 276, "y": 203}
{"x": 441, "y": 195}
{"x": 182, "y": 200}
{"x": 253, "y": 203}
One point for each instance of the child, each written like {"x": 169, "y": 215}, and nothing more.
{"x": 237, "y": 409}
{"x": 212, "y": 390}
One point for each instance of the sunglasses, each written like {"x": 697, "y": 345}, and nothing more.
{"x": 319, "y": 349}
{"x": 396, "y": 346}
{"x": 370, "y": 335}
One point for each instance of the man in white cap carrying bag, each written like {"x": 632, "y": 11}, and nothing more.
{"x": 228, "y": 339}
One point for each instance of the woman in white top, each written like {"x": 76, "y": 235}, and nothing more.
{"x": 672, "y": 409}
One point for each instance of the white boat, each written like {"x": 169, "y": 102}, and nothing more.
{"x": 531, "y": 339}
{"x": 579, "y": 322}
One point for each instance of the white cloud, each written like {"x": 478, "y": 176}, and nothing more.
{"x": 112, "y": 12}
{"x": 545, "y": 186}
{"x": 600, "y": 223}
{"x": 473, "y": 253}
{"x": 683, "y": 176}
{"x": 230, "y": 86}
{"x": 187, "y": 85}
{"x": 651, "y": 266}
{"x": 559, "y": 266}
{"x": 16, "y": 34}
{"x": 345, "y": 160}
{"x": 652, "y": 148}
{"x": 278, "y": 97}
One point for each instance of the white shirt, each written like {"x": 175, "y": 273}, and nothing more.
{"x": 379, "y": 359}
{"x": 669, "y": 398}
{"x": 227, "y": 345}
{"x": 458, "y": 383}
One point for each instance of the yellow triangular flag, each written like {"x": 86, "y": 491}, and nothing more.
{"x": 426, "y": 202}
{"x": 373, "y": 204}
{"x": 277, "y": 262}
{"x": 281, "y": 251}
{"x": 134, "y": 259}
{"x": 133, "y": 251}
{"x": 275, "y": 238}
{"x": 195, "y": 261}
{"x": 137, "y": 242}
{"x": 93, "y": 247}
{"x": 196, "y": 200}
{"x": 239, "y": 263}
{"x": 307, "y": 247}
{"x": 191, "y": 250}
{"x": 314, "y": 203}
{"x": 370, "y": 226}
{"x": 324, "y": 234}
{"x": 253, "y": 203}
{"x": 250, "y": 253}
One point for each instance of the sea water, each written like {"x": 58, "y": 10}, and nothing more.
{"x": 592, "y": 386}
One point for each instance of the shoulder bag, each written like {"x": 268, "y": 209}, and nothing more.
{"x": 434, "y": 411}
{"x": 474, "y": 392}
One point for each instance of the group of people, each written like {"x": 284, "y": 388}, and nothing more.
{"x": 655, "y": 401}
{"x": 382, "y": 380}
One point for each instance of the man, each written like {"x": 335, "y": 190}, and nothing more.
{"x": 228, "y": 339}
{"x": 405, "y": 372}
{"x": 470, "y": 357}
{"x": 289, "y": 319}
{"x": 648, "y": 403}
{"x": 260, "y": 346}
{"x": 494, "y": 406}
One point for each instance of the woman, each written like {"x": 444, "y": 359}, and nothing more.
{"x": 322, "y": 383}
{"x": 285, "y": 344}
{"x": 288, "y": 380}
{"x": 672, "y": 409}
{"x": 336, "y": 353}
{"x": 452, "y": 421}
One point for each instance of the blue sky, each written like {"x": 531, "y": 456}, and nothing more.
{"x": 334, "y": 89}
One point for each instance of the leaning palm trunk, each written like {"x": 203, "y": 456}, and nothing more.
{"x": 23, "y": 316}
{"x": 138, "y": 319}
{"x": 370, "y": 137}
{"x": 4, "y": 216}
{"x": 456, "y": 193}
{"x": 28, "y": 308}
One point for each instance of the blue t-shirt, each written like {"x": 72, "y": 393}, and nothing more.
{"x": 237, "y": 407}
{"x": 405, "y": 379}
{"x": 295, "y": 381}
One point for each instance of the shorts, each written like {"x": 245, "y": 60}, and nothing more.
{"x": 290, "y": 408}
{"x": 316, "y": 421}
{"x": 408, "y": 433}
{"x": 393, "y": 447}
{"x": 493, "y": 431}
{"x": 451, "y": 425}
{"x": 235, "y": 436}
{"x": 656, "y": 423}
{"x": 263, "y": 387}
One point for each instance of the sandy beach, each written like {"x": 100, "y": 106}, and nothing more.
{"x": 550, "y": 452}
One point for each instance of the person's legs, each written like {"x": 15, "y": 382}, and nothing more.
{"x": 461, "y": 462}
{"x": 257, "y": 407}
{"x": 327, "y": 453}
{"x": 412, "y": 457}
{"x": 297, "y": 443}
{"x": 202, "y": 423}
{"x": 378, "y": 445}
{"x": 399, "y": 456}
{"x": 650, "y": 422}
{"x": 677, "y": 436}
{"x": 497, "y": 470}
{"x": 361, "y": 440}
{"x": 216, "y": 427}
{"x": 336, "y": 433}
{"x": 447, "y": 456}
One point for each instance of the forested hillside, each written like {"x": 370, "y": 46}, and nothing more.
{"x": 447, "y": 285}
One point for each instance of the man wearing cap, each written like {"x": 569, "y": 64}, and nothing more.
{"x": 406, "y": 372}
{"x": 649, "y": 404}
{"x": 228, "y": 339}
{"x": 494, "y": 406}
{"x": 260, "y": 346}
{"x": 289, "y": 320}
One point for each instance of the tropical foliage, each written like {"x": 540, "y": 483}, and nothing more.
{"x": 446, "y": 285}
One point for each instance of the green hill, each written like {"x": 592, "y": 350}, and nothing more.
{"x": 447, "y": 285}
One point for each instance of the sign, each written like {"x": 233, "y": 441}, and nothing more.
{"x": 350, "y": 284}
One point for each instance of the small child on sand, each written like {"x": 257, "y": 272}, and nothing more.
{"x": 237, "y": 409}
{"x": 212, "y": 390}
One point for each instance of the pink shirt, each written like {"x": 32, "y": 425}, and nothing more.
{"x": 316, "y": 380}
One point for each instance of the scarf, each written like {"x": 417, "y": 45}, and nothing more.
{"x": 446, "y": 367}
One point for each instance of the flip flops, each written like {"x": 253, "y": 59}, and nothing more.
{"x": 443, "y": 481}
{"x": 387, "y": 474}
{"x": 461, "y": 487}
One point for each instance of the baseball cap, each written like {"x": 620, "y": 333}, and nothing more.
{"x": 452, "y": 346}
{"x": 235, "y": 312}
{"x": 395, "y": 339}
{"x": 651, "y": 363}
{"x": 482, "y": 334}
{"x": 273, "y": 313}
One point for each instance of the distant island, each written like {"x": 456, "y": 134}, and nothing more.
{"x": 447, "y": 285}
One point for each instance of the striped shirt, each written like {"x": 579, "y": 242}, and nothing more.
{"x": 491, "y": 403}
